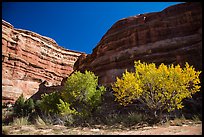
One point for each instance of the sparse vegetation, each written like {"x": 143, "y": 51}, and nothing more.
{"x": 20, "y": 121}
{"x": 23, "y": 107}
{"x": 40, "y": 121}
{"x": 81, "y": 102}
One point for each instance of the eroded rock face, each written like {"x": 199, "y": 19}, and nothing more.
{"x": 28, "y": 59}
{"x": 173, "y": 35}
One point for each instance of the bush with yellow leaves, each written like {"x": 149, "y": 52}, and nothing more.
{"x": 159, "y": 88}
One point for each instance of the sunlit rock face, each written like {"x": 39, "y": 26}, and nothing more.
{"x": 28, "y": 59}
{"x": 173, "y": 35}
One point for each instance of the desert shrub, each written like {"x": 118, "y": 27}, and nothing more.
{"x": 37, "y": 105}
{"x": 23, "y": 107}
{"x": 127, "y": 120}
{"x": 19, "y": 105}
{"x": 80, "y": 98}
{"x": 158, "y": 89}
{"x": 39, "y": 121}
{"x": 68, "y": 120}
{"x": 53, "y": 104}
{"x": 133, "y": 118}
{"x": 82, "y": 92}
{"x": 29, "y": 106}
{"x": 48, "y": 103}
{"x": 64, "y": 108}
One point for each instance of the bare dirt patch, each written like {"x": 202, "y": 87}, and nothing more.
{"x": 195, "y": 129}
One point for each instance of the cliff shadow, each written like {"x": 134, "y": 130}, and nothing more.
{"x": 47, "y": 89}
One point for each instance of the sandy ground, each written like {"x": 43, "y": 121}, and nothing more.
{"x": 195, "y": 129}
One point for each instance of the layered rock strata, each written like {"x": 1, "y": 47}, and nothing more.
{"x": 173, "y": 35}
{"x": 28, "y": 59}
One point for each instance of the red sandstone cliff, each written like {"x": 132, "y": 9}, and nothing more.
{"x": 173, "y": 35}
{"x": 28, "y": 59}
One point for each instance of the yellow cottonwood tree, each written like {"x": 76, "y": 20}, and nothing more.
{"x": 157, "y": 88}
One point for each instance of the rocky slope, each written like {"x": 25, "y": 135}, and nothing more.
{"x": 28, "y": 59}
{"x": 173, "y": 35}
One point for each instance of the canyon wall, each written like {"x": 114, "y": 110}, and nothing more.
{"x": 173, "y": 35}
{"x": 29, "y": 59}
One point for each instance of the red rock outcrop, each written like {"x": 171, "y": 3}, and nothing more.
{"x": 173, "y": 35}
{"x": 28, "y": 59}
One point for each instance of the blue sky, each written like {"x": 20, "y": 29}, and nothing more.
{"x": 76, "y": 26}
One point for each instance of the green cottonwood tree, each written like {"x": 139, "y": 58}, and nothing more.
{"x": 83, "y": 92}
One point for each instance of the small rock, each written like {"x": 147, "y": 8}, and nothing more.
{"x": 95, "y": 130}
{"x": 184, "y": 125}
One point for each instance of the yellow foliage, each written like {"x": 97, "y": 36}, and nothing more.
{"x": 127, "y": 89}
{"x": 159, "y": 88}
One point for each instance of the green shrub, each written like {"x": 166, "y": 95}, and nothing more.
{"x": 76, "y": 103}
{"x": 157, "y": 89}
{"x": 82, "y": 92}
{"x": 19, "y": 105}
{"x": 23, "y": 107}
{"x": 64, "y": 108}
{"x": 53, "y": 104}
{"x": 29, "y": 106}
{"x": 48, "y": 103}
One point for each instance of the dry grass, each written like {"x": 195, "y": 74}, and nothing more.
{"x": 112, "y": 124}
{"x": 20, "y": 121}
{"x": 39, "y": 122}
{"x": 183, "y": 121}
